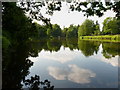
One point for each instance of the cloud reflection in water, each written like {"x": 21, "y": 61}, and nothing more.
{"x": 62, "y": 56}
{"x": 74, "y": 74}
{"x": 113, "y": 61}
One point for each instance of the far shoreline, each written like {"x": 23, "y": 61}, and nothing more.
{"x": 102, "y": 38}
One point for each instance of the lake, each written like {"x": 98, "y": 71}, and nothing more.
{"x": 66, "y": 63}
{"x": 74, "y": 63}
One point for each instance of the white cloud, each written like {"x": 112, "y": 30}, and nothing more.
{"x": 74, "y": 74}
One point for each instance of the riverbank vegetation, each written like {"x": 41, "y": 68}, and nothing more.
{"x": 110, "y": 30}
{"x": 107, "y": 38}
{"x": 89, "y": 30}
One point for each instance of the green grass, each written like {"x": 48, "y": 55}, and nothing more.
{"x": 111, "y": 38}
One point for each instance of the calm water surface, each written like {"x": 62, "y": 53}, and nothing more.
{"x": 81, "y": 64}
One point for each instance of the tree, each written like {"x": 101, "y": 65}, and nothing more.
{"x": 15, "y": 22}
{"x": 41, "y": 29}
{"x": 97, "y": 29}
{"x": 90, "y": 8}
{"x": 64, "y": 31}
{"x": 111, "y": 26}
{"x": 72, "y": 32}
{"x": 87, "y": 28}
{"x": 55, "y": 31}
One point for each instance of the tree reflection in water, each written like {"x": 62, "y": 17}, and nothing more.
{"x": 88, "y": 48}
{"x": 15, "y": 67}
{"x": 16, "y": 63}
{"x": 110, "y": 49}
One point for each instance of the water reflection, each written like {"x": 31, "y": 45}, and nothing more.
{"x": 62, "y": 56}
{"x": 113, "y": 61}
{"x": 15, "y": 66}
{"x": 78, "y": 63}
{"x": 74, "y": 74}
{"x": 54, "y": 45}
{"x": 88, "y": 48}
{"x": 110, "y": 49}
{"x": 70, "y": 60}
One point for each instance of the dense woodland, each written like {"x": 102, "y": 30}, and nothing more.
{"x": 18, "y": 31}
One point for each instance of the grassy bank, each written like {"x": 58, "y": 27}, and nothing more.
{"x": 111, "y": 38}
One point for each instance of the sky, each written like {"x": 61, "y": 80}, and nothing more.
{"x": 65, "y": 18}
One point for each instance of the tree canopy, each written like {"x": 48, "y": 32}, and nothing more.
{"x": 15, "y": 22}
{"x": 87, "y": 28}
{"x": 72, "y": 31}
{"x": 111, "y": 26}
{"x": 90, "y": 8}
{"x": 55, "y": 31}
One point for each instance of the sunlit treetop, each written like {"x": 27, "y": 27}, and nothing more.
{"x": 89, "y": 7}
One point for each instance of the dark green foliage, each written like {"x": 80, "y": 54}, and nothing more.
{"x": 54, "y": 44}
{"x": 72, "y": 43}
{"x": 72, "y": 31}
{"x": 41, "y": 29}
{"x": 64, "y": 32}
{"x": 116, "y": 8}
{"x": 55, "y": 31}
{"x": 15, "y": 22}
{"x": 5, "y": 42}
{"x": 15, "y": 66}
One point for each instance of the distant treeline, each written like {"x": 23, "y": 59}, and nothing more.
{"x": 55, "y": 31}
{"x": 111, "y": 26}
